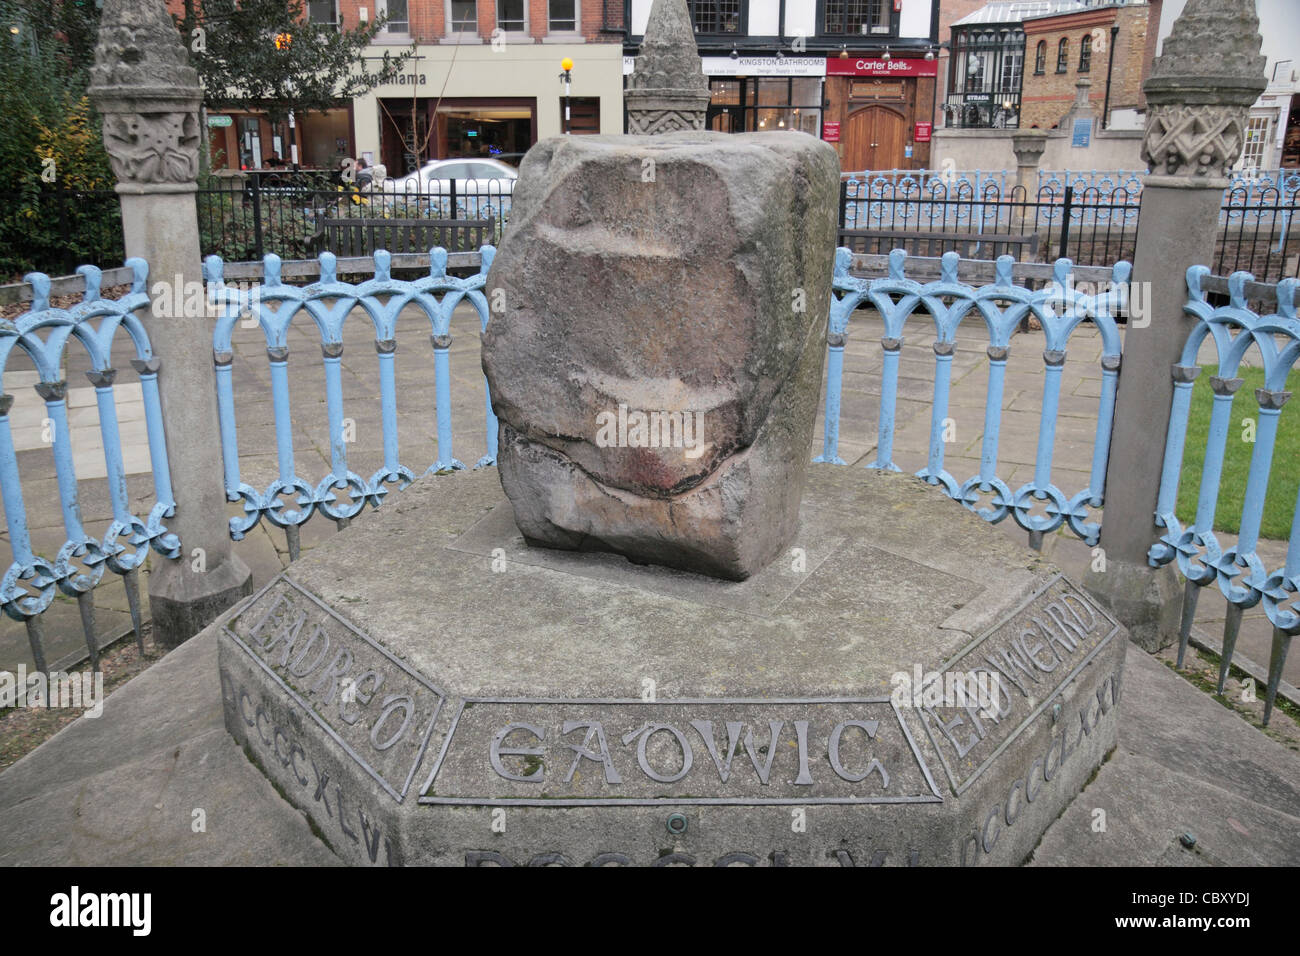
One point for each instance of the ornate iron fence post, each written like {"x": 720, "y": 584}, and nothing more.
{"x": 149, "y": 96}
{"x": 1201, "y": 87}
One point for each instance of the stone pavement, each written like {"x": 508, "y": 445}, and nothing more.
{"x": 123, "y": 788}
{"x": 265, "y": 549}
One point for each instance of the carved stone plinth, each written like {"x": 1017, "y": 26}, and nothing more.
{"x": 510, "y": 705}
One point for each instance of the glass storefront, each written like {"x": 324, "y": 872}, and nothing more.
{"x": 497, "y": 133}
{"x": 987, "y": 67}
{"x": 414, "y": 133}
{"x": 759, "y": 103}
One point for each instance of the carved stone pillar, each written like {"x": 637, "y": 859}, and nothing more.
{"x": 149, "y": 96}
{"x": 668, "y": 92}
{"x": 1028, "y": 145}
{"x": 1198, "y": 97}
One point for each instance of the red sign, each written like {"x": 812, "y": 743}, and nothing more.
{"x": 922, "y": 132}
{"x": 878, "y": 66}
{"x": 831, "y": 132}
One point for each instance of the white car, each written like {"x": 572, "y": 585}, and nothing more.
{"x": 472, "y": 177}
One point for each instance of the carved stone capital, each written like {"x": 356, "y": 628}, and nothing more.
{"x": 1209, "y": 72}
{"x": 643, "y": 118}
{"x": 149, "y": 95}
{"x": 1195, "y": 141}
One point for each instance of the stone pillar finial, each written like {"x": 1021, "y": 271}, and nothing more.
{"x": 1210, "y": 70}
{"x": 1082, "y": 90}
{"x": 668, "y": 91}
{"x": 149, "y": 96}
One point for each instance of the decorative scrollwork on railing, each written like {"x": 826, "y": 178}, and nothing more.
{"x": 42, "y": 333}
{"x": 1234, "y": 330}
{"x": 1001, "y": 305}
{"x": 291, "y": 500}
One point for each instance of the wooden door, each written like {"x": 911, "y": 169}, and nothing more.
{"x": 874, "y": 138}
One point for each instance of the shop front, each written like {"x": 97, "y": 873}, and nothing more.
{"x": 759, "y": 93}
{"x": 250, "y": 141}
{"x": 412, "y": 132}
{"x": 880, "y": 110}
{"x": 472, "y": 99}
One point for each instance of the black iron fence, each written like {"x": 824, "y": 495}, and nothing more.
{"x": 54, "y": 230}
{"x": 1089, "y": 225}
{"x": 291, "y": 215}
{"x": 1258, "y": 232}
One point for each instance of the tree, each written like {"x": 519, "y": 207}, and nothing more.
{"x": 264, "y": 56}
{"x": 50, "y": 141}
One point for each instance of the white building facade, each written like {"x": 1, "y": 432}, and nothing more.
{"x": 858, "y": 73}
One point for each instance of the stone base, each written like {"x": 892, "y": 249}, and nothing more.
{"x": 1148, "y": 600}
{"x": 186, "y": 602}
{"x": 430, "y": 690}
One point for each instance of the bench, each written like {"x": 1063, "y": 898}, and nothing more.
{"x": 968, "y": 245}
{"x": 361, "y": 237}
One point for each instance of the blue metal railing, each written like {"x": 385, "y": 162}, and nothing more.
{"x": 29, "y": 585}
{"x": 1238, "y": 571}
{"x": 328, "y": 303}
{"x": 1001, "y": 305}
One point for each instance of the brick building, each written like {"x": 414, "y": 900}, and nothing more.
{"x": 484, "y": 80}
{"x": 1112, "y": 45}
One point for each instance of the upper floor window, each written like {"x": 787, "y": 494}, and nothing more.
{"x": 717, "y": 16}
{"x": 1085, "y": 54}
{"x": 322, "y": 11}
{"x": 1040, "y": 57}
{"x": 857, "y": 16}
{"x": 563, "y": 16}
{"x": 510, "y": 15}
{"x": 464, "y": 16}
{"x": 1012, "y": 64}
{"x": 399, "y": 20}
{"x": 1063, "y": 55}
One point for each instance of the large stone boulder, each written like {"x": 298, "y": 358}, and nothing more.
{"x": 656, "y": 344}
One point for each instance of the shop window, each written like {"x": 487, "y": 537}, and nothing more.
{"x": 563, "y": 16}
{"x": 760, "y": 104}
{"x": 1063, "y": 55}
{"x": 1085, "y": 54}
{"x": 985, "y": 77}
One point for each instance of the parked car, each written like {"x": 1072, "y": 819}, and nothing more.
{"x": 481, "y": 177}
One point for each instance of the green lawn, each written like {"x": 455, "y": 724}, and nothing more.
{"x": 1285, "y": 477}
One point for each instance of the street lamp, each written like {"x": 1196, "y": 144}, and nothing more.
{"x": 566, "y": 65}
